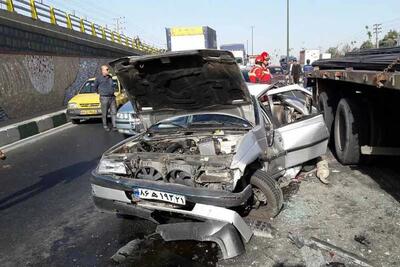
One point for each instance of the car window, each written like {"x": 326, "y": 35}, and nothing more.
{"x": 115, "y": 85}
{"x": 213, "y": 119}
{"x": 87, "y": 88}
{"x": 245, "y": 74}
{"x": 275, "y": 70}
{"x": 239, "y": 60}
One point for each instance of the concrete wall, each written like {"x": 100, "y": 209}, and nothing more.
{"x": 31, "y": 84}
{"x": 19, "y": 33}
{"x": 42, "y": 65}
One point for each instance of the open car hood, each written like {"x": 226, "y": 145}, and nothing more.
{"x": 182, "y": 81}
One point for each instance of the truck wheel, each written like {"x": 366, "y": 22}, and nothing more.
{"x": 75, "y": 121}
{"x": 267, "y": 195}
{"x": 326, "y": 109}
{"x": 347, "y": 132}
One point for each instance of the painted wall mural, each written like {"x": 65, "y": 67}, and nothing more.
{"x": 33, "y": 84}
{"x": 88, "y": 68}
{"x": 41, "y": 72}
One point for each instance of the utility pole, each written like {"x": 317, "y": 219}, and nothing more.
{"x": 287, "y": 32}
{"x": 252, "y": 40}
{"x": 377, "y": 28}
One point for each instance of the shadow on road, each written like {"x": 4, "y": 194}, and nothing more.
{"x": 385, "y": 171}
{"x": 47, "y": 181}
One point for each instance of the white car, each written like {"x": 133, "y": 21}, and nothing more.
{"x": 210, "y": 149}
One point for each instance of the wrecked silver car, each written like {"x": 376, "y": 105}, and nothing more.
{"x": 211, "y": 151}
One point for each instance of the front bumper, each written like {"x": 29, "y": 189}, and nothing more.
{"x": 217, "y": 224}
{"x": 193, "y": 195}
{"x": 78, "y": 114}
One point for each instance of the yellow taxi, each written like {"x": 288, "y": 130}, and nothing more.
{"x": 86, "y": 103}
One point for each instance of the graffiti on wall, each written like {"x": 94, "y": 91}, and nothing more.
{"x": 88, "y": 68}
{"x": 41, "y": 72}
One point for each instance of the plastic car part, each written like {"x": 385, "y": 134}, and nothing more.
{"x": 223, "y": 234}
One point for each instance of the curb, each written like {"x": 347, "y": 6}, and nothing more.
{"x": 21, "y": 130}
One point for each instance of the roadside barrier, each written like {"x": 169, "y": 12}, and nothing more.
{"x": 21, "y": 130}
{"x": 40, "y": 11}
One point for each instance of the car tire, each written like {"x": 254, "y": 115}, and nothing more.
{"x": 270, "y": 189}
{"x": 347, "y": 132}
{"x": 327, "y": 110}
{"x": 75, "y": 121}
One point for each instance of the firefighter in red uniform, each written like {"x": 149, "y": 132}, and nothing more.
{"x": 260, "y": 73}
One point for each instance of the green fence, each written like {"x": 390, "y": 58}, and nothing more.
{"x": 52, "y": 15}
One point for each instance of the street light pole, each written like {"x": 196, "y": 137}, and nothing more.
{"x": 287, "y": 32}
{"x": 252, "y": 40}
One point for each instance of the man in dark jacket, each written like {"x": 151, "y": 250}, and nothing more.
{"x": 104, "y": 86}
{"x": 295, "y": 71}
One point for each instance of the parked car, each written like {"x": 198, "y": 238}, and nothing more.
{"x": 277, "y": 74}
{"x": 86, "y": 103}
{"x": 127, "y": 122}
{"x": 211, "y": 151}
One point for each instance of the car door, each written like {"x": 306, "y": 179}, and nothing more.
{"x": 302, "y": 139}
{"x": 120, "y": 96}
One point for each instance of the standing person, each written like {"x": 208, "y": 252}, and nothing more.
{"x": 260, "y": 73}
{"x": 296, "y": 71}
{"x": 308, "y": 67}
{"x": 104, "y": 86}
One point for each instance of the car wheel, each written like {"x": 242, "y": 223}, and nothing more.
{"x": 347, "y": 132}
{"x": 75, "y": 121}
{"x": 267, "y": 195}
{"x": 326, "y": 109}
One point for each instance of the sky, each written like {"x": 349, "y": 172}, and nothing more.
{"x": 314, "y": 24}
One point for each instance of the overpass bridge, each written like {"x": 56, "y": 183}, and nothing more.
{"x": 47, "y": 53}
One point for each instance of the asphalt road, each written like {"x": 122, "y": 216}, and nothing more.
{"x": 47, "y": 217}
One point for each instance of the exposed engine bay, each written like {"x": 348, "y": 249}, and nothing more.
{"x": 198, "y": 160}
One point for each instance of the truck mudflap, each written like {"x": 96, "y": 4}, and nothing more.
{"x": 223, "y": 234}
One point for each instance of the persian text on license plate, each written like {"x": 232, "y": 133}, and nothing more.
{"x": 157, "y": 195}
{"x": 88, "y": 112}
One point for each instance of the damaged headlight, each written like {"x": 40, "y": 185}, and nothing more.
{"x": 108, "y": 166}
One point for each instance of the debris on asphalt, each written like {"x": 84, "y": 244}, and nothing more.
{"x": 362, "y": 240}
{"x": 261, "y": 228}
{"x": 313, "y": 258}
{"x": 127, "y": 250}
{"x": 323, "y": 171}
{"x": 2, "y": 155}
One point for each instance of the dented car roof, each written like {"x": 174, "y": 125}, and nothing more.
{"x": 186, "y": 80}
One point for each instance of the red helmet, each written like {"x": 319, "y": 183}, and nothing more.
{"x": 265, "y": 55}
{"x": 259, "y": 59}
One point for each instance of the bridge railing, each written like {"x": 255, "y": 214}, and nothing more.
{"x": 40, "y": 11}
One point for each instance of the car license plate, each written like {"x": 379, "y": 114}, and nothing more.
{"x": 89, "y": 112}
{"x": 157, "y": 195}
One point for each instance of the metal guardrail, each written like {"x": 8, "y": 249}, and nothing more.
{"x": 46, "y": 13}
